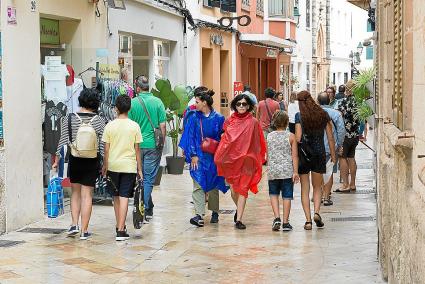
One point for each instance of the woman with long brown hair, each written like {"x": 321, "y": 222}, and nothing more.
{"x": 310, "y": 125}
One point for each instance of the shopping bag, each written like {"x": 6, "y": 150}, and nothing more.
{"x": 329, "y": 171}
{"x": 139, "y": 206}
{"x": 54, "y": 198}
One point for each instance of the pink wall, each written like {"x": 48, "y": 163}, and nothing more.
{"x": 257, "y": 22}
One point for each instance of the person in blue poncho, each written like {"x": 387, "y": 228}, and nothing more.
{"x": 203, "y": 122}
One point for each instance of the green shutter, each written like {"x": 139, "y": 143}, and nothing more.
{"x": 369, "y": 52}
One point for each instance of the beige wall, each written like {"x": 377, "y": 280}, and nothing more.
{"x": 21, "y": 91}
{"x": 401, "y": 169}
{"x": 211, "y": 66}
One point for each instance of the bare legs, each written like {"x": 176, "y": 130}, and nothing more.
{"x": 316, "y": 180}
{"x": 75, "y": 203}
{"x": 348, "y": 167}
{"x": 240, "y": 202}
{"x": 353, "y": 171}
{"x": 328, "y": 187}
{"x": 81, "y": 204}
{"x": 274, "y": 201}
{"x": 120, "y": 208}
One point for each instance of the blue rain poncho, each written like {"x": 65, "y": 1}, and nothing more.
{"x": 190, "y": 142}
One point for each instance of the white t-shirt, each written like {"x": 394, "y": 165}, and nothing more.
{"x": 55, "y": 89}
{"x": 293, "y": 108}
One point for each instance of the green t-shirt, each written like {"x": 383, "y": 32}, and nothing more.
{"x": 157, "y": 113}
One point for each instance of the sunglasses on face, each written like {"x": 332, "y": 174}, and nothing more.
{"x": 243, "y": 104}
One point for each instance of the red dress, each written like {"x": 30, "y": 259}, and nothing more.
{"x": 241, "y": 153}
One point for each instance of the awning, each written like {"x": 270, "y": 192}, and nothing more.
{"x": 267, "y": 40}
{"x": 364, "y": 4}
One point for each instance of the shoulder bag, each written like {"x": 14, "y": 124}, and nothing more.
{"x": 208, "y": 145}
{"x": 305, "y": 152}
{"x": 159, "y": 138}
{"x": 271, "y": 127}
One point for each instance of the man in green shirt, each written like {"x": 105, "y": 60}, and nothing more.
{"x": 151, "y": 156}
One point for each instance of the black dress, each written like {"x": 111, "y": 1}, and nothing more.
{"x": 315, "y": 158}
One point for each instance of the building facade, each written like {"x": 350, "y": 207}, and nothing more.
{"x": 321, "y": 45}
{"x": 262, "y": 58}
{"x": 210, "y": 49}
{"x": 349, "y": 29}
{"x": 76, "y": 33}
{"x": 301, "y": 60}
{"x": 151, "y": 43}
{"x": 400, "y": 136}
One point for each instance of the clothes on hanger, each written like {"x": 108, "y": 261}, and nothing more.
{"x": 110, "y": 90}
{"x": 52, "y": 125}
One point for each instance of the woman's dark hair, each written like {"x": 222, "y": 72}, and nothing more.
{"x": 205, "y": 95}
{"x": 313, "y": 117}
{"x": 89, "y": 99}
{"x": 239, "y": 98}
{"x": 270, "y": 93}
{"x": 276, "y": 97}
{"x": 123, "y": 103}
{"x": 280, "y": 119}
{"x": 332, "y": 88}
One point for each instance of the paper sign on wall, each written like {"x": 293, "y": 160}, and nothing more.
{"x": 11, "y": 15}
{"x": 54, "y": 69}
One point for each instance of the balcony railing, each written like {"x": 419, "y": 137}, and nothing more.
{"x": 246, "y": 4}
{"x": 281, "y": 8}
{"x": 260, "y": 8}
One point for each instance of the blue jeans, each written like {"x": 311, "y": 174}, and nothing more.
{"x": 150, "y": 160}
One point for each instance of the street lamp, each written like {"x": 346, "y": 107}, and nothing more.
{"x": 360, "y": 48}
{"x": 297, "y": 15}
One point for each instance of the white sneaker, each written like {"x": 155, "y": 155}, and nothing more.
{"x": 73, "y": 230}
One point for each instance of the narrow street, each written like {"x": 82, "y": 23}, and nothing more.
{"x": 170, "y": 250}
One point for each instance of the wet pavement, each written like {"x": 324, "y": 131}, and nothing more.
{"x": 170, "y": 250}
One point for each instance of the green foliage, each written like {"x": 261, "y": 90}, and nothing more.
{"x": 175, "y": 102}
{"x": 362, "y": 94}
{"x": 363, "y": 111}
{"x": 360, "y": 91}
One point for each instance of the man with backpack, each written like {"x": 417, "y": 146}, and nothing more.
{"x": 149, "y": 112}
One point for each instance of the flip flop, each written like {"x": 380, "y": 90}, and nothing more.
{"x": 342, "y": 190}
{"x": 318, "y": 220}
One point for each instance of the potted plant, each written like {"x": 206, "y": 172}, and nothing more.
{"x": 175, "y": 102}
{"x": 363, "y": 93}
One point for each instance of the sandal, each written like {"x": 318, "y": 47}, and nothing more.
{"x": 342, "y": 190}
{"x": 308, "y": 226}
{"x": 328, "y": 202}
{"x": 318, "y": 220}
{"x": 353, "y": 189}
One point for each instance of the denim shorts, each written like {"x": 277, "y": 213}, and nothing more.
{"x": 284, "y": 186}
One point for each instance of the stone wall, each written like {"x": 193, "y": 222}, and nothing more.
{"x": 2, "y": 195}
{"x": 401, "y": 166}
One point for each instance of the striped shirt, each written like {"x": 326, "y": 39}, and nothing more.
{"x": 98, "y": 124}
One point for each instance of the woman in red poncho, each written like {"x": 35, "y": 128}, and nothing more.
{"x": 241, "y": 153}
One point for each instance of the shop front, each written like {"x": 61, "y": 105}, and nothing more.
{"x": 64, "y": 36}
{"x": 261, "y": 67}
{"x": 216, "y": 66}
{"x": 151, "y": 44}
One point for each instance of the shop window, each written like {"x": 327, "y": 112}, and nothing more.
{"x": 369, "y": 52}
{"x": 224, "y": 101}
{"x": 140, "y": 48}
{"x": 228, "y": 6}
{"x": 212, "y": 3}
{"x": 125, "y": 44}
{"x": 307, "y": 13}
{"x": 281, "y": 8}
{"x": 345, "y": 77}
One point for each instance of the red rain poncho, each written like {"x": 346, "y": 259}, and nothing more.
{"x": 241, "y": 153}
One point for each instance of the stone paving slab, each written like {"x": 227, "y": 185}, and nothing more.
{"x": 170, "y": 250}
